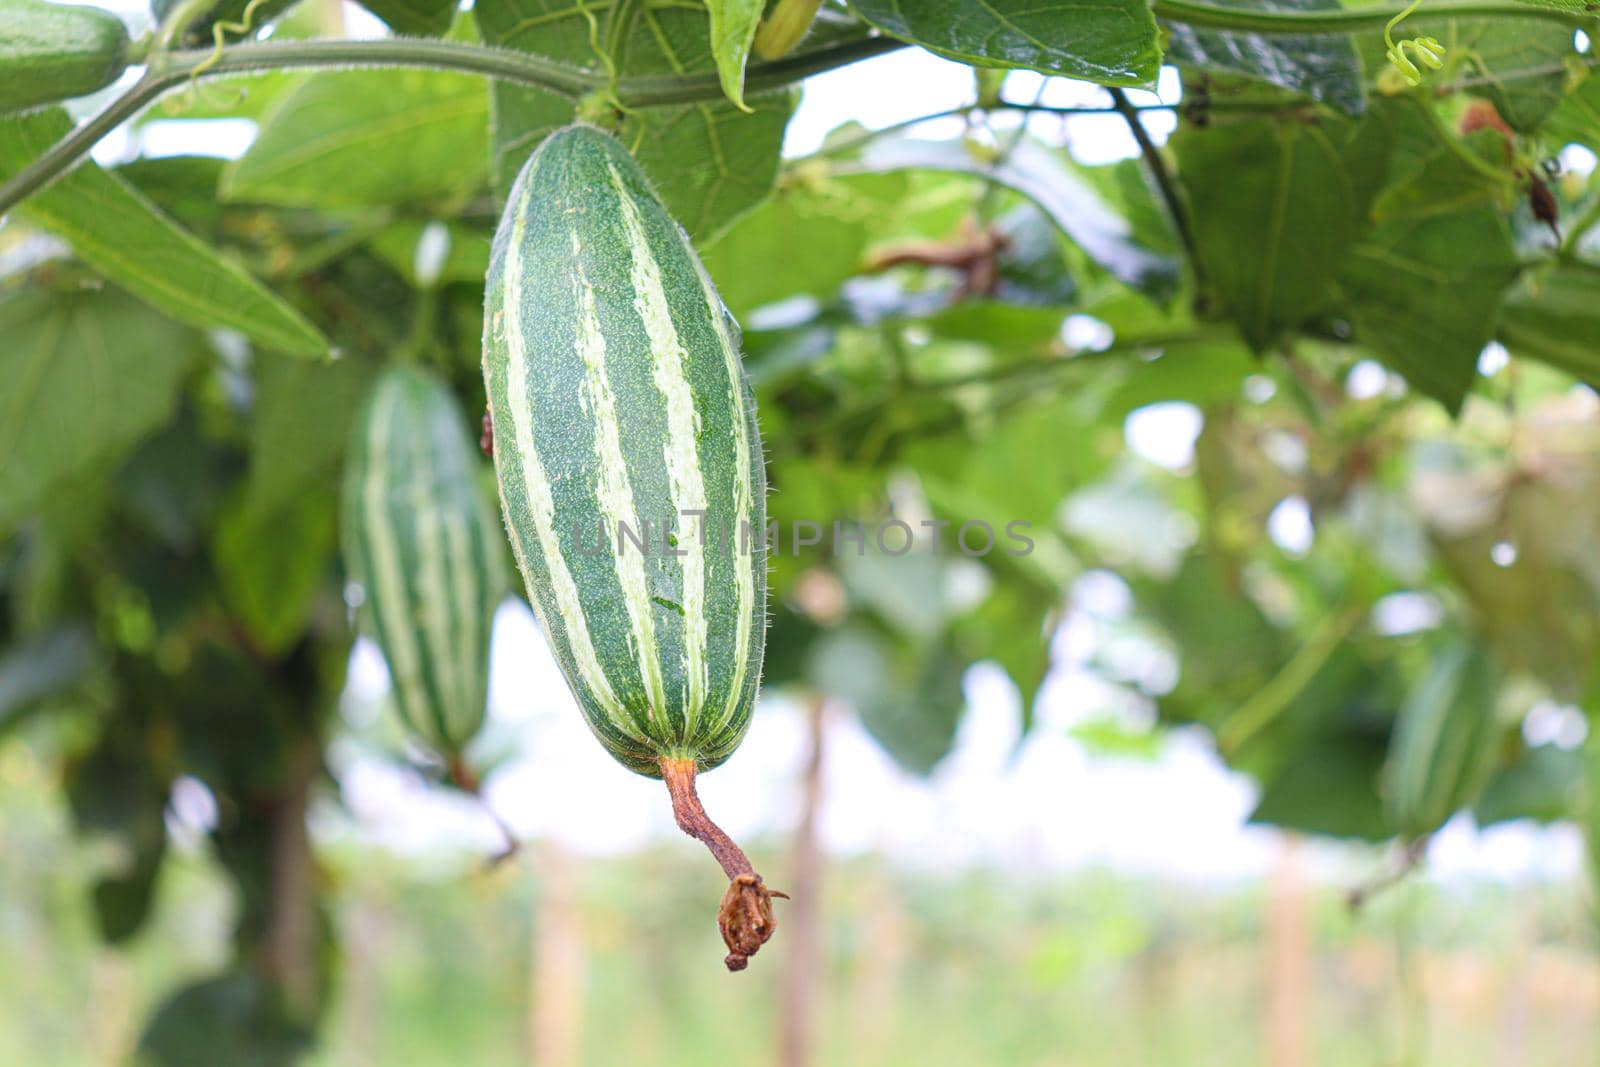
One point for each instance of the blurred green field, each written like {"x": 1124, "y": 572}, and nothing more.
{"x": 556, "y": 960}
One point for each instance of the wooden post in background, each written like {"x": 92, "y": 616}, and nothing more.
{"x": 801, "y": 987}
{"x": 555, "y": 993}
{"x": 1289, "y": 951}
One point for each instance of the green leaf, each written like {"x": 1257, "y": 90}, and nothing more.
{"x": 271, "y": 564}
{"x": 733, "y": 30}
{"x": 1325, "y": 67}
{"x": 1330, "y": 788}
{"x": 1577, "y": 119}
{"x": 82, "y": 377}
{"x": 302, "y": 426}
{"x": 1112, "y": 42}
{"x": 1556, "y": 319}
{"x": 1543, "y": 783}
{"x": 238, "y": 1018}
{"x": 1045, "y": 178}
{"x": 122, "y": 901}
{"x": 908, "y": 695}
{"x": 741, "y": 260}
{"x": 1277, "y": 205}
{"x": 1012, "y": 627}
{"x": 1423, "y": 289}
{"x": 710, "y": 162}
{"x": 416, "y": 18}
{"x": 1425, "y": 292}
{"x": 356, "y": 139}
{"x": 123, "y": 236}
{"x": 466, "y": 253}
{"x": 40, "y": 667}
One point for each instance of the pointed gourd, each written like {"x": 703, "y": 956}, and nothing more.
{"x": 420, "y": 539}
{"x": 630, "y": 465}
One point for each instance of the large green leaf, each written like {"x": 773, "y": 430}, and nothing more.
{"x": 1112, "y": 42}
{"x": 302, "y": 422}
{"x": 907, "y": 694}
{"x": 838, "y": 217}
{"x": 271, "y": 564}
{"x": 1542, "y": 783}
{"x": 1556, "y": 319}
{"x": 418, "y": 18}
{"x": 710, "y": 162}
{"x": 1330, "y": 788}
{"x": 39, "y": 668}
{"x": 125, "y": 237}
{"x": 1049, "y": 181}
{"x": 1277, "y": 205}
{"x": 354, "y": 139}
{"x": 1325, "y": 67}
{"x": 82, "y": 377}
{"x": 238, "y": 1018}
{"x": 1425, "y": 287}
{"x": 1577, "y": 118}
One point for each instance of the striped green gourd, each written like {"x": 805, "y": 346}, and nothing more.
{"x": 618, "y": 396}
{"x": 420, "y": 539}
{"x": 631, "y": 478}
{"x": 1444, "y": 742}
{"x": 51, "y": 52}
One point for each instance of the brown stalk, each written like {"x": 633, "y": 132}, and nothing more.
{"x": 745, "y": 916}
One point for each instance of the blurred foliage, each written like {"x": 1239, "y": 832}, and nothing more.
{"x": 1359, "y": 302}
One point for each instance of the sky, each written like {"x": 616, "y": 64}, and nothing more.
{"x": 1045, "y": 805}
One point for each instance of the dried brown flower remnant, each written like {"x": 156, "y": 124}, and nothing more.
{"x": 745, "y": 916}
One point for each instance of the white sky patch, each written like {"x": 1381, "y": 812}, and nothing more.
{"x": 880, "y": 92}
{"x": 1503, "y": 553}
{"x": 1260, "y": 388}
{"x": 1366, "y": 380}
{"x": 219, "y": 138}
{"x": 1549, "y": 723}
{"x": 1290, "y": 526}
{"x": 1493, "y": 359}
{"x": 1578, "y": 159}
{"x": 1164, "y": 433}
{"x": 1406, "y": 613}
{"x": 1085, "y": 333}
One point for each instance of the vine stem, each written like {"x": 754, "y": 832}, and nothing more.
{"x": 1176, "y": 208}
{"x": 175, "y": 69}
{"x": 1212, "y": 16}
{"x": 745, "y": 916}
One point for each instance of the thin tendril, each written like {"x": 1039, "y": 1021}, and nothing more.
{"x": 1427, "y": 50}
{"x": 219, "y": 31}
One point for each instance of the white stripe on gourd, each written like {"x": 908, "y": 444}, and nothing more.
{"x": 744, "y": 494}
{"x": 681, "y": 451}
{"x": 386, "y": 578}
{"x": 536, "y": 486}
{"x": 615, "y": 494}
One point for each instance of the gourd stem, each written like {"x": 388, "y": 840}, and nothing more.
{"x": 692, "y": 819}
{"x": 745, "y": 916}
